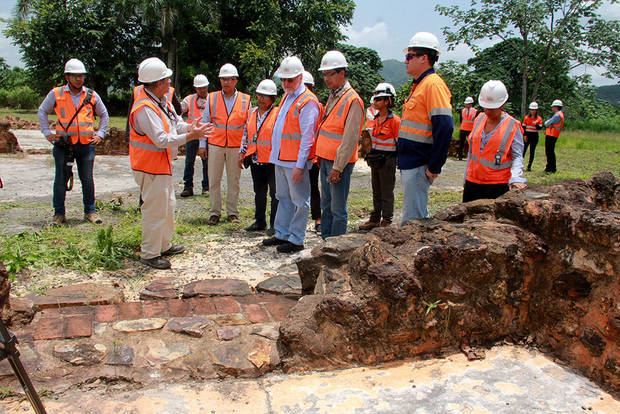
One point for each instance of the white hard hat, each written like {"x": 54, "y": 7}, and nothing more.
{"x": 557, "y": 102}
{"x": 469, "y": 100}
{"x": 74, "y": 66}
{"x": 228, "y": 70}
{"x": 333, "y": 60}
{"x": 424, "y": 40}
{"x": 308, "y": 79}
{"x": 153, "y": 69}
{"x": 385, "y": 89}
{"x": 267, "y": 87}
{"x": 493, "y": 94}
{"x": 291, "y": 67}
{"x": 534, "y": 105}
{"x": 200, "y": 81}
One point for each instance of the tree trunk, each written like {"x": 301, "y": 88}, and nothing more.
{"x": 524, "y": 69}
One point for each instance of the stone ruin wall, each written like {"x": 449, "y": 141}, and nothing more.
{"x": 541, "y": 267}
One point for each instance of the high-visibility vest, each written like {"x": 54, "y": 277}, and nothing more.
{"x": 228, "y": 128}
{"x": 468, "y": 115}
{"x": 492, "y": 164}
{"x": 555, "y": 129}
{"x": 82, "y": 127}
{"x": 530, "y": 123}
{"x": 193, "y": 111}
{"x": 259, "y": 140}
{"x": 383, "y": 136}
{"x": 370, "y": 116}
{"x": 291, "y": 131}
{"x": 143, "y": 154}
{"x": 331, "y": 129}
{"x": 429, "y": 97}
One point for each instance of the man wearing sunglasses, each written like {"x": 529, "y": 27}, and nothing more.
{"x": 426, "y": 126}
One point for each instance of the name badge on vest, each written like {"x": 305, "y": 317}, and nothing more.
{"x": 254, "y": 138}
{"x": 498, "y": 159}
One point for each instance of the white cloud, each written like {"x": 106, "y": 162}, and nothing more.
{"x": 610, "y": 11}
{"x": 373, "y": 37}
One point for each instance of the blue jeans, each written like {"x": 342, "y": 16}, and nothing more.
{"x": 334, "y": 214}
{"x": 85, "y": 159}
{"x": 191, "y": 149}
{"x": 415, "y": 193}
{"x": 293, "y": 205}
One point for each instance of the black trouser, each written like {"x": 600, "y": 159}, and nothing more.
{"x": 550, "y": 153}
{"x": 475, "y": 191}
{"x": 462, "y": 140}
{"x": 315, "y": 194}
{"x": 191, "y": 149}
{"x": 263, "y": 177}
{"x": 532, "y": 141}
{"x": 383, "y": 180}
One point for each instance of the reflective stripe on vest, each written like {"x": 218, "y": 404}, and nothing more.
{"x": 290, "y": 140}
{"x": 82, "y": 128}
{"x": 228, "y": 127}
{"x": 555, "y": 129}
{"x": 143, "y": 154}
{"x": 530, "y": 123}
{"x": 491, "y": 165}
{"x": 331, "y": 130}
{"x": 383, "y": 137}
{"x": 260, "y": 142}
{"x": 193, "y": 111}
{"x": 468, "y": 115}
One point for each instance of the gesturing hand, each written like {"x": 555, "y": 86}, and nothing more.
{"x": 199, "y": 130}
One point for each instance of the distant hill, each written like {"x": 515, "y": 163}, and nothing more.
{"x": 394, "y": 72}
{"x": 610, "y": 93}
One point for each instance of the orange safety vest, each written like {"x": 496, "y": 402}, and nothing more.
{"x": 429, "y": 97}
{"x": 259, "y": 139}
{"x": 331, "y": 129}
{"x": 468, "y": 115}
{"x": 228, "y": 127}
{"x": 383, "y": 136}
{"x": 555, "y": 129}
{"x": 530, "y": 123}
{"x": 82, "y": 127}
{"x": 193, "y": 111}
{"x": 492, "y": 164}
{"x": 291, "y": 132}
{"x": 143, "y": 154}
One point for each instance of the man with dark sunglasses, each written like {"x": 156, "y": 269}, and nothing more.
{"x": 426, "y": 126}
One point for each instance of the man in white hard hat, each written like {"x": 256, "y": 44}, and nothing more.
{"x": 552, "y": 132}
{"x": 468, "y": 114}
{"x": 426, "y": 126}
{"x": 292, "y": 153}
{"x": 315, "y": 193}
{"x": 337, "y": 142}
{"x": 195, "y": 105}
{"x": 228, "y": 110}
{"x": 74, "y": 137}
{"x": 255, "y": 151}
{"x": 495, "y": 161}
{"x": 155, "y": 129}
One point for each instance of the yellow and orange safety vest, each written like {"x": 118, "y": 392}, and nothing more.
{"x": 81, "y": 128}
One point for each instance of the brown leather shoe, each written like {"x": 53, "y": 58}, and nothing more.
{"x": 157, "y": 262}
{"x": 369, "y": 225}
{"x": 233, "y": 219}
{"x": 385, "y": 223}
{"x": 59, "y": 219}
{"x": 187, "y": 192}
{"x": 213, "y": 220}
{"x": 93, "y": 218}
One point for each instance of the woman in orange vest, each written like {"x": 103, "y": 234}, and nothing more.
{"x": 255, "y": 150}
{"x": 468, "y": 114}
{"x": 495, "y": 161}
{"x": 382, "y": 157}
{"x": 532, "y": 123}
{"x": 554, "y": 127}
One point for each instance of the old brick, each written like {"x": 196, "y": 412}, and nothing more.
{"x": 226, "y": 304}
{"x": 106, "y": 313}
{"x": 203, "y": 306}
{"x": 78, "y": 326}
{"x": 49, "y": 328}
{"x": 154, "y": 308}
{"x": 179, "y": 307}
{"x": 129, "y": 311}
{"x": 255, "y": 313}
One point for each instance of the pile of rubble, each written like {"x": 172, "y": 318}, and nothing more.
{"x": 8, "y": 141}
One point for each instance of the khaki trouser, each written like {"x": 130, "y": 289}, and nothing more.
{"x": 218, "y": 158}
{"x": 157, "y": 213}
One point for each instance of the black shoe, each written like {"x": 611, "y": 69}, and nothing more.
{"x": 273, "y": 241}
{"x": 157, "y": 262}
{"x": 528, "y": 169}
{"x": 187, "y": 192}
{"x": 317, "y": 228}
{"x": 174, "y": 249}
{"x": 256, "y": 227}
{"x": 289, "y": 247}
{"x": 213, "y": 220}
{"x": 270, "y": 231}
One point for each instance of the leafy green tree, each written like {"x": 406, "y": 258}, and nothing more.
{"x": 461, "y": 81}
{"x": 363, "y": 71}
{"x": 567, "y": 30}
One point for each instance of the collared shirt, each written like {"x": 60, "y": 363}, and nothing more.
{"x": 206, "y": 115}
{"x": 308, "y": 117}
{"x": 147, "y": 122}
{"x": 47, "y": 106}
{"x": 259, "y": 122}
{"x": 350, "y": 136}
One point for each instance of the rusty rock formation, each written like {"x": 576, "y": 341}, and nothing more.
{"x": 543, "y": 265}
{"x": 8, "y": 141}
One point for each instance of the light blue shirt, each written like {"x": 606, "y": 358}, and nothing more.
{"x": 206, "y": 115}
{"x": 308, "y": 117}
{"x": 47, "y": 106}
{"x": 554, "y": 119}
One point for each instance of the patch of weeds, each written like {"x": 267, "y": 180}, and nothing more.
{"x": 7, "y": 392}
{"x": 15, "y": 260}
{"x": 430, "y": 306}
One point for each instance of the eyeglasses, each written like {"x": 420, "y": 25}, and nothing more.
{"x": 380, "y": 98}
{"x": 328, "y": 74}
{"x": 410, "y": 56}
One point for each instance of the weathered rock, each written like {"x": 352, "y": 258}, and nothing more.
{"x": 543, "y": 263}
{"x": 21, "y": 310}
{"x": 249, "y": 357}
{"x": 160, "y": 352}
{"x": 218, "y": 287}
{"x": 8, "y": 141}
{"x": 227, "y": 334}
{"x": 80, "y": 353}
{"x": 229, "y": 319}
{"x": 78, "y": 295}
{"x": 5, "y": 287}
{"x": 281, "y": 285}
{"x": 120, "y": 355}
{"x": 159, "y": 289}
{"x": 190, "y": 325}
{"x": 139, "y": 325}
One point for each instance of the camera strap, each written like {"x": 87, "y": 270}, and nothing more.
{"x": 86, "y": 101}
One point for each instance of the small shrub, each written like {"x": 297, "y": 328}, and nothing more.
{"x": 22, "y": 97}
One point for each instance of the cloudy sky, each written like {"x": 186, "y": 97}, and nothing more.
{"x": 383, "y": 25}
